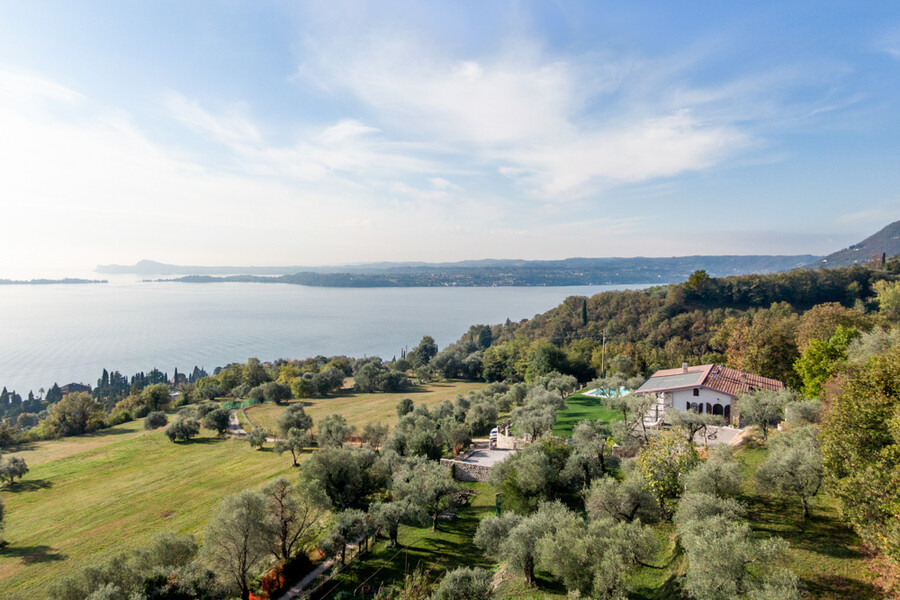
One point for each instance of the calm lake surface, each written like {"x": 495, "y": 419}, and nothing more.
{"x": 69, "y": 333}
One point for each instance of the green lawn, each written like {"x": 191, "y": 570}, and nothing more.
{"x": 435, "y": 551}
{"x": 360, "y": 408}
{"x": 86, "y": 497}
{"x": 582, "y": 408}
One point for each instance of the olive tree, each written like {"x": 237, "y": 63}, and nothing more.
{"x": 428, "y": 485}
{"x": 293, "y": 417}
{"x": 693, "y": 423}
{"x": 333, "y": 431}
{"x": 347, "y": 476}
{"x": 725, "y": 561}
{"x": 513, "y": 540}
{"x": 239, "y": 538}
{"x": 803, "y": 412}
{"x": 12, "y": 468}
{"x": 217, "y": 420}
{"x": 258, "y": 437}
{"x": 794, "y": 466}
{"x": 294, "y": 514}
{"x": 696, "y": 506}
{"x": 593, "y": 454}
{"x": 626, "y": 500}
{"x": 374, "y": 434}
{"x": 594, "y": 558}
{"x": 387, "y": 517}
{"x": 764, "y": 408}
{"x": 295, "y": 442}
{"x": 719, "y": 475}
{"x": 349, "y": 527}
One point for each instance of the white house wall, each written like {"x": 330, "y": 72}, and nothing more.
{"x": 682, "y": 399}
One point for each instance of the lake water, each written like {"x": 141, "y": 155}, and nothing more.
{"x": 69, "y": 333}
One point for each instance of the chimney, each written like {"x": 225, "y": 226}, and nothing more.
{"x": 684, "y": 367}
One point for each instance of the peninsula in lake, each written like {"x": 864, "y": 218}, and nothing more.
{"x": 570, "y": 271}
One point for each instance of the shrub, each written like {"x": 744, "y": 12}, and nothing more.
{"x": 155, "y": 420}
{"x": 120, "y": 417}
{"x": 183, "y": 429}
{"x": 465, "y": 584}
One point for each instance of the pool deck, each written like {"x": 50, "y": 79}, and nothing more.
{"x": 485, "y": 456}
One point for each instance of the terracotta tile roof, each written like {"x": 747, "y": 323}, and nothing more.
{"x": 722, "y": 379}
{"x": 734, "y": 382}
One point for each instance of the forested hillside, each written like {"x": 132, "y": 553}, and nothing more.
{"x": 754, "y": 322}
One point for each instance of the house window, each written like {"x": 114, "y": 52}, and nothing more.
{"x": 696, "y": 391}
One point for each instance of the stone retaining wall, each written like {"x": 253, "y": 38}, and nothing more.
{"x": 463, "y": 471}
{"x": 508, "y": 442}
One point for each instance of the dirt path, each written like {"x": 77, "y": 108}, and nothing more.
{"x": 297, "y": 590}
{"x": 234, "y": 426}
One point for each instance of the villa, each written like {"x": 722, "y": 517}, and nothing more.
{"x": 711, "y": 389}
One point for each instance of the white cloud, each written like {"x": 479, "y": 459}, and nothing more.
{"x": 347, "y": 152}
{"x": 561, "y": 127}
{"x": 231, "y": 128}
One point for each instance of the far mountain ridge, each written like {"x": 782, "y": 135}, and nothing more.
{"x": 718, "y": 265}
{"x": 885, "y": 242}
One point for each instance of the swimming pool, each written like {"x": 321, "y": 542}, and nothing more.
{"x": 604, "y": 393}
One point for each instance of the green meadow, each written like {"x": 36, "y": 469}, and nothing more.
{"x": 90, "y": 496}
{"x": 581, "y": 408}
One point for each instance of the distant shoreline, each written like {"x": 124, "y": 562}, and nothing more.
{"x": 347, "y": 280}
{"x": 65, "y": 281}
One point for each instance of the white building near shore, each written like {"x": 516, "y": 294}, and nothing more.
{"x": 711, "y": 389}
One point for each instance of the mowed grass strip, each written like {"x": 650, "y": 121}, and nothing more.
{"x": 360, "y": 408}
{"x": 582, "y": 408}
{"x": 36, "y": 453}
{"x": 74, "y": 510}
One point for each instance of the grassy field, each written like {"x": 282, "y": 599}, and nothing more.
{"x": 581, "y": 408}
{"x": 435, "y": 551}
{"x": 360, "y": 408}
{"x": 91, "y": 495}
{"x": 88, "y": 496}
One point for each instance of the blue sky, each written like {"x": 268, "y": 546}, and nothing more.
{"x": 329, "y": 132}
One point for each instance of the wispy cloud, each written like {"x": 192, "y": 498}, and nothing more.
{"x": 562, "y": 127}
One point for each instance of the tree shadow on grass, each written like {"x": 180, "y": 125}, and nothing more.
{"x": 29, "y": 485}
{"x": 206, "y": 440}
{"x": 835, "y": 586}
{"x": 101, "y": 433}
{"x": 23, "y": 447}
{"x": 818, "y": 533}
{"x": 33, "y": 554}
